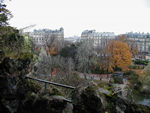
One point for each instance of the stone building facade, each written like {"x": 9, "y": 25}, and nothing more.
{"x": 41, "y": 36}
{"x": 98, "y": 38}
{"x": 142, "y": 40}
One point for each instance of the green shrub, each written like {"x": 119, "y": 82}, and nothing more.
{"x": 97, "y": 70}
{"x": 135, "y": 83}
{"x": 117, "y": 69}
{"x": 118, "y": 80}
{"x": 25, "y": 86}
{"x": 129, "y": 72}
{"x": 141, "y": 62}
{"x": 53, "y": 91}
{"x": 135, "y": 67}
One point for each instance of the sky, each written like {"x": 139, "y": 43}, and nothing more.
{"x": 75, "y": 16}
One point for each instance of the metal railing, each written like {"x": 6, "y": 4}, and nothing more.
{"x": 52, "y": 83}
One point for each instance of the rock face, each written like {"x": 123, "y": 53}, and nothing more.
{"x": 87, "y": 100}
{"x": 93, "y": 99}
{"x": 36, "y": 100}
{"x": 34, "y": 103}
{"x": 19, "y": 95}
{"x": 10, "y": 72}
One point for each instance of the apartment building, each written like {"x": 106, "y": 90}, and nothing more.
{"x": 98, "y": 38}
{"x": 41, "y": 36}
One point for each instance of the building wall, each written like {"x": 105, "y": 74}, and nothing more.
{"x": 99, "y": 38}
{"x": 41, "y": 36}
{"x": 142, "y": 40}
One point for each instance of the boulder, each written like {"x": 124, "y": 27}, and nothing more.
{"x": 95, "y": 99}
{"x": 34, "y": 103}
{"x": 10, "y": 72}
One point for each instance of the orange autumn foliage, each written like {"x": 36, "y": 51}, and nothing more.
{"x": 120, "y": 55}
{"x": 53, "y": 51}
{"x": 132, "y": 44}
{"x": 122, "y": 38}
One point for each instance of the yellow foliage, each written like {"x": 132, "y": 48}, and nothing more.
{"x": 122, "y": 38}
{"x": 133, "y": 46}
{"x": 53, "y": 51}
{"x": 120, "y": 54}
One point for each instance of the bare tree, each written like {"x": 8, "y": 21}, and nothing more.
{"x": 53, "y": 43}
{"x": 85, "y": 57}
{"x": 103, "y": 57}
{"x": 43, "y": 67}
{"x": 65, "y": 67}
{"x": 47, "y": 63}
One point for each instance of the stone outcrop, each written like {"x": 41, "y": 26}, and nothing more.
{"x": 95, "y": 99}
{"x": 19, "y": 95}
{"x": 10, "y": 73}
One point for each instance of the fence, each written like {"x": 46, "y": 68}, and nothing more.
{"x": 52, "y": 83}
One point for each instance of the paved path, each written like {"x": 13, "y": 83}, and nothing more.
{"x": 102, "y": 77}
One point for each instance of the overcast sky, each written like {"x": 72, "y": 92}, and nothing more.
{"x": 74, "y": 16}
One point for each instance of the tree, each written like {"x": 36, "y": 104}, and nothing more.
{"x": 43, "y": 67}
{"x": 121, "y": 56}
{"x": 132, "y": 44}
{"x": 64, "y": 67}
{"x": 103, "y": 57}
{"x": 52, "y": 43}
{"x": 5, "y": 14}
{"x": 12, "y": 43}
{"x": 122, "y": 38}
{"x": 47, "y": 63}
{"x": 69, "y": 51}
{"x": 84, "y": 57}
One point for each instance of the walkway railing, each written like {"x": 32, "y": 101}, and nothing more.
{"x": 52, "y": 83}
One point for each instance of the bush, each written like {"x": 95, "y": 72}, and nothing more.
{"x": 146, "y": 86}
{"x": 69, "y": 51}
{"x": 135, "y": 67}
{"x": 141, "y": 62}
{"x": 118, "y": 80}
{"x": 135, "y": 83}
{"x": 129, "y": 72}
{"x": 118, "y": 69}
{"x": 97, "y": 70}
{"x": 146, "y": 81}
{"x": 26, "y": 85}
